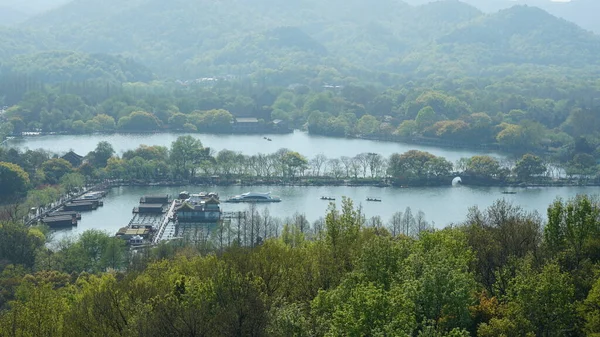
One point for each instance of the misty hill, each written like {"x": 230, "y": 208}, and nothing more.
{"x": 55, "y": 67}
{"x": 581, "y": 12}
{"x": 523, "y": 34}
{"x": 296, "y": 39}
{"x": 23, "y": 41}
{"x": 10, "y": 16}
{"x": 32, "y": 7}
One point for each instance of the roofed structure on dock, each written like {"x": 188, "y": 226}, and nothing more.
{"x": 154, "y": 199}
{"x": 60, "y": 221}
{"x": 72, "y": 214}
{"x": 204, "y": 211}
{"x": 150, "y": 208}
{"x": 127, "y": 233}
{"x": 80, "y": 206}
{"x": 73, "y": 158}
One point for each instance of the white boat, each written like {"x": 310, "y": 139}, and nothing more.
{"x": 254, "y": 197}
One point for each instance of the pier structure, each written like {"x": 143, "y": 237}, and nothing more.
{"x": 191, "y": 217}
{"x": 165, "y": 231}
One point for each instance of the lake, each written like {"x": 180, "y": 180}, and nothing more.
{"x": 302, "y": 142}
{"x": 442, "y": 205}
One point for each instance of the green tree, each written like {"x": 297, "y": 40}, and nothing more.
{"x": 426, "y": 118}
{"x": 100, "y": 156}
{"x": 367, "y": 125}
{"x": 364, "y": 309}
{"x": 418, "y": 165}
{"x": 186, "y": 154}
{"x": 529, "y": 165}
{"x": 105, "y": 123}
{"x": 54, "y": 169}
{"x": 546, "y": 298}
{"x": 572, "y": 227}
{"x": 72, "y": 182}
{"x": 18, "y": 244}
{"x": 294, "y": 164}
{"x": 443, "y": 285}
{"x": 406, "y": 128}
{"x": 139, "y": 121}
{"x": 38, "y": 310}
{"x": 590, "y": 311}
{"x": 177, "y": 121}
{"x": 13, "y": 179}
{"x": 483, "y": 166}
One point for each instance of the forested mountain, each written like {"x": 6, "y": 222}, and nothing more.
{"x": 56, "y": 67}
{"x": 523, "y": 34}
{"x": 303, "y": 39}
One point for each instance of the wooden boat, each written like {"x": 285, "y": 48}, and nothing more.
{"x": 328, "y": 198}
{"x": 374, "y": 199}
{"x": 509, "y": 192}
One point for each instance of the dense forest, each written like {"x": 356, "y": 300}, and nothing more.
{"x": 338, "y": 39}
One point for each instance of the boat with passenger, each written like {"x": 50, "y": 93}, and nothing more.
{"x": 254, "y": 197}
{"x": 328, "y": 198}
{"x": 374, "y": 199}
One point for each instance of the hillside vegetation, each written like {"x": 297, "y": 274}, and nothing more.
{"x": 339, "y": 38}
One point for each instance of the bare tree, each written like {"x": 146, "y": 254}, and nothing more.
{"x": 408, "y": 221}
{"x": 375, "y": 222}
{"x": 318, "y": 226}
{"x": 221, "y": 234}
{"x": 355, "y": 167}
{"x": 253, "y": 220}
{"x": 347, "y": 161}
{"x": 317, "y": 164}
{"x": 375, "y": 163}
{"x": 336, "y": 168}
{"x": 298, "y": 220}
{"x": 276, "y": 227}
{"x": 363, "y": 161}
{"x": 269, "y": 165}
{"x": 267, "y": 222}
{"x": 395, "y": 224}
{"x": 421, "y": 225}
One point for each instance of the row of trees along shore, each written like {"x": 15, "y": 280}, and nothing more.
{"x": 187, "y": 160}
{"x": 498, "y": 111}
{"x": 501, "y": 272}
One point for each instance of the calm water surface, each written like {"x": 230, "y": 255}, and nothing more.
{"x": 442, "y": 205}
{"x": 302, "y": 142}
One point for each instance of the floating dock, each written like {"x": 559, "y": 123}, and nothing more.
{"x": 192, "y": 217}
{"x": 154, "y": 199}
{"x": 73, "y": 214}
{"x": 80, "y": 206}
{"x": 60, "y": 221}
{"x": 149, "y": 208}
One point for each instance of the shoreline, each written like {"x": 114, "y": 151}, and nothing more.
{"x": 420, "y": 141}
{"x": 333, "y": 183}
